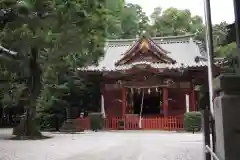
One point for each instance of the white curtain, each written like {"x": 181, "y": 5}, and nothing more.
{"x": 102, "y": 106}
{"x": 140, "y": 115}
{"x": 187, "y": 102}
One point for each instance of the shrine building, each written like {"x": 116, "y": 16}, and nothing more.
{"x": 150, "y": 78}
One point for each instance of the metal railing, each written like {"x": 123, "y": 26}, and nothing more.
{"x": 213, "y": 155}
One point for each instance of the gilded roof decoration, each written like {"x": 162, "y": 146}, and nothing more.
{"x": 144, "y": 46}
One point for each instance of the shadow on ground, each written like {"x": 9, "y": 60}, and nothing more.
{"x": 6, "y": 134}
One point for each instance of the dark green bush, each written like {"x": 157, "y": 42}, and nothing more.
{"x": 96, "y": 121}
{"x": 192, "y": 121}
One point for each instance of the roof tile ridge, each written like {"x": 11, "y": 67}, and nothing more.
{"x": 121, "y": 40}
{"x": 109, "y": 41}
{"x": 159, "y": 47}
{"x": 173, "y": 37}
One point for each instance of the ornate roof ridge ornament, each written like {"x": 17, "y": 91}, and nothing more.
{"x": 144, "y": 46}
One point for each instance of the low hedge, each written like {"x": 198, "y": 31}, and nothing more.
{"x": 192, "y": 121}
{"x": 96, "y": 121}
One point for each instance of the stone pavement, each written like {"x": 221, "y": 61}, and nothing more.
{"x": 122, "y": 145}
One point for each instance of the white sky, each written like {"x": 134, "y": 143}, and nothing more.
{"x": 222, "y": 10}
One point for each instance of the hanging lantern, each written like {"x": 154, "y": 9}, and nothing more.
{"x": 139, "y": 90}
{"x": 132, "y": 91}
{"x": 149, "y": 90}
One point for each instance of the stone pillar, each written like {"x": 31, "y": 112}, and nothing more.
{"x": 227, "y": 116}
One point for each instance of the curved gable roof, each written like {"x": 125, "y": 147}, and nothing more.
{"x": 145, "y": 45}
{"x": 183, "y": 49}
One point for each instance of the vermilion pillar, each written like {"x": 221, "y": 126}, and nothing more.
{"x": 165, "y": 101}
{"x": 124, "y": 99}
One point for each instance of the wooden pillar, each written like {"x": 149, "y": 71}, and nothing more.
{"x": 193, "y": 100}
{"x": 124, "y": 100}
{"x": 165, "y": 101}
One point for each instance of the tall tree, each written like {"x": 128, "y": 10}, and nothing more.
{"x": 127, "y": 20}
{"x": 134, "y": 21}
{"x": 55, "y": 33}
{"x": 172, "y": 22}
{"x": 113, "y": 21}
{"x": 62, "y": 87}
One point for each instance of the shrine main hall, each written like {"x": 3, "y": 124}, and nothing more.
{"x": 150, "y": 77}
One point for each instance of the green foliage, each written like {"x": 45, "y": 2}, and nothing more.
{"x": 69, "y": 34}
{"x": 192, "y": 121}
{"x": 219, "y": 33}
{"x": 60, "y": 79}
{"x": 65, "y": 35}
{"x": 96, "y": 121}
{"x": 173, "y": 22}
{"x": 126, "y": 20}
{"x": 134, "y": 21}
{"x": 50, "y": 110}
{"x": 225, "y": 50}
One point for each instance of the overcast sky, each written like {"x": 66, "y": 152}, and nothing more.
{"x": 222, "y": 10}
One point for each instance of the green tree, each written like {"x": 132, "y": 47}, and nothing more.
{"x": 127, "y": 20}
{"x": 113, "y": 21}
{"x": 60, "y": 35}
{"x": 220, "y": 32}
{"x": 62, "y": 88}
{"x": 173, "y": 22}
{"x": 134, "y": 21}
{"x": 225, "y": 50}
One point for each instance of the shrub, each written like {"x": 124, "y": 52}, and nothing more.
{"x": 192, "y": 121}
{"x": 96, "y": 121}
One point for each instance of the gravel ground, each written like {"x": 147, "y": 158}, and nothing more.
{"x": 122, "y": 145}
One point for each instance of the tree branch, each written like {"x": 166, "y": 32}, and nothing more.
{"x": 7, "y": 52}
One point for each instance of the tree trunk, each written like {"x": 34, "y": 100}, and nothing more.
{"x": 27, "y": 126}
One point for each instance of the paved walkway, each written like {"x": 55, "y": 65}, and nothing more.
{"x": 124, "y": 145}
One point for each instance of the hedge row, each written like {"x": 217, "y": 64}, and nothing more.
{"x": 192, "y": 121}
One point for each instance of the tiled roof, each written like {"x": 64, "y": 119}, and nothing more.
{"x": 182, "y": 49}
